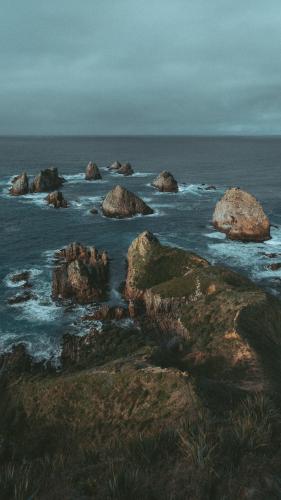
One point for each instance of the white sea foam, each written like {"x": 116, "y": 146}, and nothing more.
{"x": 86, "y": 201}
{"x": 74, "y": 178}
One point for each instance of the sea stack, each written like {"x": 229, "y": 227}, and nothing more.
{"x": 165, "y": 182}
{"x": 20, "y": 185}
{"x": 124, "y": 169}
{"x": 241, "y": 217}
{"x": 56, "y": 199}
{"x": 47, "y": 180}
{"x": 121, "y": 203}
{"x": 92, "y": 172}
{"x": 81, "y": 274}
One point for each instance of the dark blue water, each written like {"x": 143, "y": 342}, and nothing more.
{"x": 31, "y": 231}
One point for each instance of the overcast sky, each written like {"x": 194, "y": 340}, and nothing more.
{"x": 140, "y": 67}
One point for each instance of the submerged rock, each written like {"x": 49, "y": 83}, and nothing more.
{"x": 56, "y": 199}
{"x": 120, "y": 203}
{"x": 21, "y": 297}
{"x": 94, "y": 211}
{"x": 165, "y": 181}
{"x": 22, "y": 276}
{"x": 241, "y": 217}
{"x": 47, "y": 180}
{"x": 275, "y": 266}
{"x": 20, "y": 185}
{"x": 92, "y": 172}
{"x": 81, "y": 274}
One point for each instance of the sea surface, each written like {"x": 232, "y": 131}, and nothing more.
{"x": 31, "y": 231}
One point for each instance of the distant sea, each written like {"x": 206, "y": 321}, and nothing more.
{"x": 32, "y": 231}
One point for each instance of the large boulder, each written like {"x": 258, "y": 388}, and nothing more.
{"x": 56, "y": 199}
{"x": 114, "y": 166}
{"x": 47, "y": 180}
{"x": 120, "y": 203}
{"x": 81, "y": 274}
{"x": 241, "y": 217}
{"x": 165, "y": 182}
{"x": 20, "y": 185}
{"x": 92, "y": 172}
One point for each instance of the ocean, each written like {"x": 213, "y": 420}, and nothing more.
{"x": 31, "y": 231}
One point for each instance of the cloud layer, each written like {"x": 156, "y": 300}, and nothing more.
{"x": 140, "y": 67}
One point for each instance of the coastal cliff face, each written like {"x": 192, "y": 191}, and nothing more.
{"x": 213, "y": 308}
{"x": 81, "y": 274}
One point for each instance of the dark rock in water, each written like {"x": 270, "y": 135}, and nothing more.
{"x": 125, "y": 169}
{"x": 21, "y": 297}
{"x": 81, "y": 274}
{"x": 105, "y": 312}
{"x": 120, "y": 203}
{"x": 56, "y": 199}
{"x": 271, "y": 255}
{"x": 20, "y": 185}
{"x": 115, "y": 166}
{"x": 165, "y": 182}
{"x": 241, "y": 217}
{"x": 23, "y": 276}
{"x": 92, "y": 172}
{"x": 47, "y": 180}
{"x": 274, "y": 266}
{"x": 210, "y": 188}
{"x": 94, "y": 211}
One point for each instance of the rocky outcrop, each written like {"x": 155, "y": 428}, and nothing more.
{"x": 56, "y": 199}
{"x": 92, "y": 172}
{"x": 121, "y": 203}
{"x": 241, "y": 217}
{"x": 47, "y": 180}
{"x": 115, "y": 165}
{"x": 217, "y": 310}
{"x": 107, "y": 313}
{"x": 81, "y": 274}
{"x": 165, "y": 182}
{"x": 125, "y": 169}
{"x": 20, "y": 185}
{"x": 21, "y": 297}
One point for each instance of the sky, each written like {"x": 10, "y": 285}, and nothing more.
{"x": 103, "y": 67}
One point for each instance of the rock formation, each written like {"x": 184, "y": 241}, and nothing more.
{"x": 219, "y": 311}
{"x": 47, "y": 180}
{"x": 92, "y": 172}
{"x": 120, "y": 203}
{"x": 56, "y": 199}
{"x": 20, "y": 185}
{"x": 241, "y": 217}
{"x": 165, "y": 181}
{"x": 81, "y": 274}
{"x": 21, "y": 297}
{"x": 124, "y": 169}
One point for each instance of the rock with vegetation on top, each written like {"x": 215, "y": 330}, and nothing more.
{"x": 47, "y": 180}
{"x": 165, "y": 182}
{"x": 241, "y": 217}
{"x": 92, "y": 172}
{"x": 221, "y": 313}
{"x": 20, "y": 185}
{"x": 120, "y": 203}
{"x": 81, "y": 273}
{"x": 56, "y": 199}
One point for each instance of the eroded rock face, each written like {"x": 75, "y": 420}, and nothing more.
{"x": 241, "y": 217}
{"x": 92, "y": 172}
{"x": 56, "y": 199}
{"x": 20, "y": 185}
{"x": 47, "y": 180}
{"x": 165, "y": 181}
{"x": 81, "y": 274}
{"x": 221, "y": 313}
{"x": 120, "y": 203}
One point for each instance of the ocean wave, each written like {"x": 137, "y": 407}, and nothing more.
{"x": 74, "y": 178}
